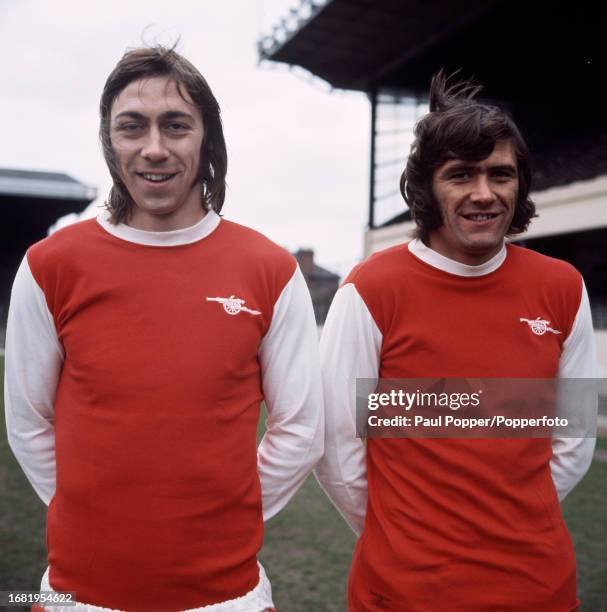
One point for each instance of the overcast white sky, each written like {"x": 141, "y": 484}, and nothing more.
{"x": 298, "y": 154}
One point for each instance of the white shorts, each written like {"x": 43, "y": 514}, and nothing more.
{"x": 257, "y": 599}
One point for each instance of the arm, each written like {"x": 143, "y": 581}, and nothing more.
{"x": 571, "y": 457}
{"x": 34, "y": 358}
{"x": 293, "y": 442}
{"x": 350, "y": 349}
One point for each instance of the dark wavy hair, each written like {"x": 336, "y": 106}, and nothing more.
{"x": 148, "y": 62}
{"x": 459, "y": 126}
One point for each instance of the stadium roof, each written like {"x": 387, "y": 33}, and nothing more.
{"x": 545, "y": 62}
{"x": 31, "y": 201}
{"x": 508, "y": 45}
{"x": 53, "y": 185}
{"x": 353, "y": 44}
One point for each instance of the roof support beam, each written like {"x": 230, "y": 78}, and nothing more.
{"x": 373, "y": 100}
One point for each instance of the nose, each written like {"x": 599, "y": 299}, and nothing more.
{"x": 481, "y": 190}
{"x": 154, "y": 149}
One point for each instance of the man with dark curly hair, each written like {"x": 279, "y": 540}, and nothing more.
{"x": 139, "y": 347}
{"x": 469, "y": 523}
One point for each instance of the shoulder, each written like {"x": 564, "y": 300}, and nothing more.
{"x": 380, "y": 263}
{"x": 62, "y": 246}
{"x": 543, "y": 270}
{"x": 253, "y": 247}
{"x": 67, "y": 237}
{"x": 378, "y": 268}
{"x": 374, "y": 281}
{"x": 554, "y": 280}
{"x": 540, "y": 262}
{"x": 252, "y": 256}
{"x": 250, "y": 239}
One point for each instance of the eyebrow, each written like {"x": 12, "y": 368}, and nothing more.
{"x": 163, "y": 116}
{"x": 505, "y": 168}
{"x": 458, "y": 165}
{"x": 464, "y": 165}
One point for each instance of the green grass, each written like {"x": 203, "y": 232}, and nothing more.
{"x": 22, "y": 519}
{"x": 585, "y": 512}
{"x": 307, "y": 547}
{"x": 307, "y": 551}
{"x": 307, "y": 554}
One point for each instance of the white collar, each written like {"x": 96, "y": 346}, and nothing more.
{"x": 186, "y": 235}
{"x": 436, "y": 260}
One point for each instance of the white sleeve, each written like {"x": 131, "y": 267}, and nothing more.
{"x": 571, "y": 457}
{"x": 33, "y": 362}
{"x": 349, "y": 349}
{"x": 290, "y": 369}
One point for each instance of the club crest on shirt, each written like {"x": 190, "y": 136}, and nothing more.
{"x": 233, "y": 305}
{"x": 540, "y": 326}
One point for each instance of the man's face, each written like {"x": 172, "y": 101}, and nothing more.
{"x": 477, "y": 201}
{"x": 156, "y": 136}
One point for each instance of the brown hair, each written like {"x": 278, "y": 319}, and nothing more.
{"x": 459, "y": 126}
{"x": 147, "y": 62}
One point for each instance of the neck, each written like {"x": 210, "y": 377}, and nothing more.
{"x": 167, "y": 222}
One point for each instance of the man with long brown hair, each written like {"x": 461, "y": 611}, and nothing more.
{"x": 139, "y": 348}
{"x": 469, "y": 523}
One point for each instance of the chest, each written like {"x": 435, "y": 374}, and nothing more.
{"x": 457, "y": 329}
{"x": 176, "y": 318}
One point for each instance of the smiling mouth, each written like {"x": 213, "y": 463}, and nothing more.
{"x": 481, "y": 217}
{"x": 156, "y": 177}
